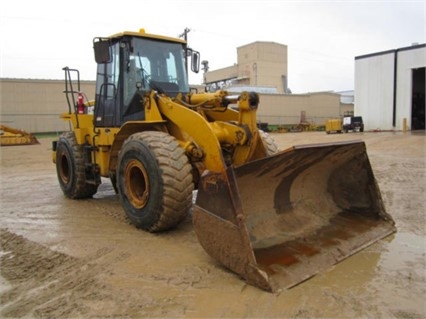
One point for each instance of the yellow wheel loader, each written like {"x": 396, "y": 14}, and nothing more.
{"x": 274, "y": 218}
{"x": 10, "y": 136}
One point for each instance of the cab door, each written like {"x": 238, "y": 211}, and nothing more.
{"x": 107, "y": 99}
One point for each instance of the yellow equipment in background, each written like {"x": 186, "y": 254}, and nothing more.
{"x": 333, "y": 126}
{"x": 274, "y": 218}
{"x": 10, "y": 136}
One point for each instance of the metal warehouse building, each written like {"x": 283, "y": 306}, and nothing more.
{"x": 35, "y": 105}
{"x": 263, "y": 67}
{"x": 390, "y": 89}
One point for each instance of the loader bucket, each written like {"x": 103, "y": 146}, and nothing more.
{"x": 280, "y": 220}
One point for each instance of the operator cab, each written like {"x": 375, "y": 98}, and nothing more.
{"x": 130, "y": 65}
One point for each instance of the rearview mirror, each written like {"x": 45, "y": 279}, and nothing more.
{"x": 195, "y": 61}
{"x": 102, "y": 50}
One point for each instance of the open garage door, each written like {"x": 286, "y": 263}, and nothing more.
{"x": 418, "y": 100}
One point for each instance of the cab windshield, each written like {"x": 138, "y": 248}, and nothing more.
{"x": 158, "y": 65}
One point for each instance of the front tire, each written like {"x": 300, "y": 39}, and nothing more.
{"x": 269, "y": 143}
{"x": 154, "y": 181}
{"x": 71, "y": 168}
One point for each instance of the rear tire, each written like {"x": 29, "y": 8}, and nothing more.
{"x": 154, "y": 181}
{"x": 70, "y": 168}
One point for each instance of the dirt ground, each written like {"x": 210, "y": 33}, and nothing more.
{"x": 82, "y": 259}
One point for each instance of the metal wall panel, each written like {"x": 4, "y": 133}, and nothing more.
{"x": 382, "y": 99}
{"x": 35, "y": 105}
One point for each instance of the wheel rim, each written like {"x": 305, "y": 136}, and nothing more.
{"x": 136, "y": 183}
{"x": 64, "y": 168}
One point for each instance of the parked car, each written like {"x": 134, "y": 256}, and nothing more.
{"x": 353, "y": 123}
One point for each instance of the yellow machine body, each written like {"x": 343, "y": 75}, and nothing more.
{"x": 274, "y": 218}
{"x": 333, "y": 126}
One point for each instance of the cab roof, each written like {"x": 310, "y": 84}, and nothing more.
{"x": 143, "y": 34}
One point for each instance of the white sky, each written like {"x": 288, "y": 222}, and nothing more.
{"x": 38, "y": 38}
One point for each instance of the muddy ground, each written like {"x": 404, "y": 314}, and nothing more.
{"x": 82, "y": 259}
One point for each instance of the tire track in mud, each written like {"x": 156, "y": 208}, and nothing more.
{"x": 48, "y": 283}
{"x": 107, "y": 202}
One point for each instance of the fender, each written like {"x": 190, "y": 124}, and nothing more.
{"x": 128, "y": 129}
